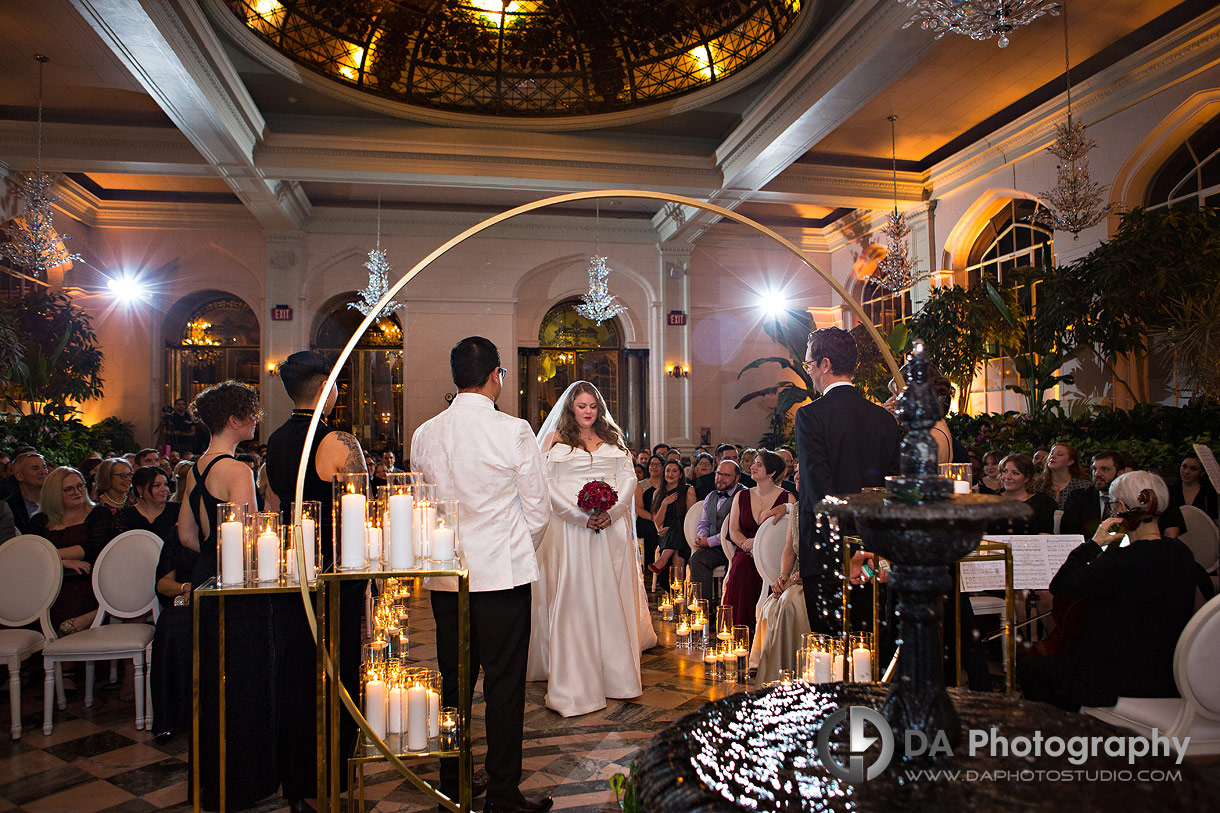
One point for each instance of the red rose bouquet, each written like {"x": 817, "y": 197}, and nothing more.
{"x": 596, "y": 497}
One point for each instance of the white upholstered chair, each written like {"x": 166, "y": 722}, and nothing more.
{"x": 124, "y": 581}
{"x": 781, "y": 620}
{"x": 31, "y": 574}
{"x": 1196, "y": 714}
{"x": 1201, "y": 536}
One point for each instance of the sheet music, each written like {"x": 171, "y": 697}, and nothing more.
{"x": 1209, "y": 462}
{"x": 1036, "y": 558}
{"x": 980, "y": 576}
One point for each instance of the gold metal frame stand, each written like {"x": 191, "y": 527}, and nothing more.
{"x": 990, "y": 552}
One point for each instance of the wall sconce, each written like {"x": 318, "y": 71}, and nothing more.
{"x": 677, "y": 371}
{"x": 273, "y": 369}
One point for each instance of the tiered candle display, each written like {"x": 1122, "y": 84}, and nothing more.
{"x": 826, "y": 659}
{"x": 232, "y": 553}
{"x": 706, "y": 632}
{"x": 350, "y": 506}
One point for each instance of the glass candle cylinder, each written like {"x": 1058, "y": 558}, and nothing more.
{"x": 961, "y": 475}
{"x": 310, "y": 510}
{"x": 445, "y": 537}
{"x": 417, "y": 710}
{"x": 724, "y": 656}
{"x": 423, "y": 520}
{"x": 434, "y": 704}
{"x": 741, "y": 652}
{"x": 265, "y": 529}
{"x": 449, "y": 728}
{"x": 231, "y": 551}
{"x": 399, "y": 525}
{"x": 862, "y": 657}
{"x": 683, "y": 634}
{"x": 397, "y": 695}
{"x": 837, "y": 661}
{"x": 373, "y": 535}
{"x": 709, "y": 664}
{"x": 666, "y": 607}
{"x": 724, "y": 622}
{"x": 376, "y": 698}
{"x": 350, "y": 506}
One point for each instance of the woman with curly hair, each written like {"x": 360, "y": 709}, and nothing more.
{"x": 1064, "y": 473}
{"x": 590, "y": 614}
{"x": 230, "y": 411}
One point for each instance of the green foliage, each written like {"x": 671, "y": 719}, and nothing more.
{"x": 60, "y": 363}
{"x": 872, "y": 373}
{"x": 624, "y": 791}
{"x": 1158, "y": 436}
{"x": 11, "y": 350}
{"x": 957, "y": 326}
{"x": 65, "y": 441}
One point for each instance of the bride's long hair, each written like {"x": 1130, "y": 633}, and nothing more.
{"x": 568, "y": 431}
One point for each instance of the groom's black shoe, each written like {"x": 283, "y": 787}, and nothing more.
{"x": 481, "y": 780}
{"x": 526, "y": 805}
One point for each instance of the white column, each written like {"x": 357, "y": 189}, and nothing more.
{"x": 922, "y": 222}
{"x": 672, "y": 423}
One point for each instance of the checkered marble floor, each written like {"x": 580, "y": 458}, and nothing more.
{"x": 96, "y": 760}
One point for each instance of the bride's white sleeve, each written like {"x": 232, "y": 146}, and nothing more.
{"x": 625, "y": 484}
{"x": 564, "y": 505}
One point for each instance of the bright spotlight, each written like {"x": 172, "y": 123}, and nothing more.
{"x": 773, "y": 303}
{"x": 126, "y": 289}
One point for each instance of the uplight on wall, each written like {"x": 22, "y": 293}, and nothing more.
{"x": 126, "y": 289}
{"x": 677, "y": 371}
{"x": 273, "y": 369}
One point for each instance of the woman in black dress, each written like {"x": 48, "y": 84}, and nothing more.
{"x": 1192, "y": 488}
{"x": 1017, "y": 475}
{"x": 670, "y": 502}
{"x": 230, "y": 411}
{"x": 644, "y": 492}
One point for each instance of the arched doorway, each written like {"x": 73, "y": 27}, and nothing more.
{"x": 370, "y": 384}
{"x": 571, "y": 348}
{"x": 217, "y": 340}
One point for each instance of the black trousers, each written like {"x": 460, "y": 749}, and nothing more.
{"x": 702, "y": 562}
{"x": 1048, "y": 679}
{"x": 499, "y": 644}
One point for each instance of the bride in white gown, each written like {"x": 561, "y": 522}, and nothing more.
{"x": 590, "y": 613}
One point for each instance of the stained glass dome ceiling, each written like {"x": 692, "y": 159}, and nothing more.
{"x": 522, "y": 58}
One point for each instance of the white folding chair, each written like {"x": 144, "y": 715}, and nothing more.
{"x": 769, "y": 545}
{"x": 727, "y": 546}
{"x": 30, "y": 577}
{"x": 124, "y": 581}
{"x": 1201, "y": 536}
{"x": 1196, "y": 714}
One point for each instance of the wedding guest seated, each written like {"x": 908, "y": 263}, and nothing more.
{"x": 707, "y": 483}
{"x": 1017, "y": 475}
{"x": 989, "y": 483}
{"x": 8, "y": 528}
{"x": 182, "y": 468}
{"x": 171, "y": 646}
{"x": 145, "y": 457}
{"x": 743, "y": 587}
{"x": 7, "y": 486}
{"x": 669, "y": 506}
{"x": 783, "y": 611}
{"x": 701, "y": 465}
{"x": 66, "y": 518}
{"x": 29, "y": 473}
{"x": 644, "y": 492}
{"x": 152, "y": 510}
{"x": 709, "y": 554}
{"x": 746, "y": 458}
{"x": 112, "y": 485}
{"x": 1085, "y": 508}
{"x": 1039, "y": 459}
{"x": 1142, "y": 593}
{"x": 1063, "y": 474}
{"x": 1193, "y": 488}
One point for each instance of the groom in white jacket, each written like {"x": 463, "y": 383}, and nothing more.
{"x": 490, "y": 463}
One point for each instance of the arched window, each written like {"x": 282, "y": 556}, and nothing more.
{"x": 572, "y": 348}
{"x": 1011, "y": 239}
{"x": 370, "y": 383}
{"x": 1191, "y": 176}
{"x": 211, "y": 337}
{"x": 885, "y": 308}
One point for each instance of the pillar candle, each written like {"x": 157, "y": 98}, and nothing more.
{"x": 352, "y": 539}
{"x": 821, "y": 667}
{"x": 861, "y": 665}
{"x": 395, "y": 726}
{"x": 444, "y": 543}
{"x": 309, "y": 538}
{"x": 402, "y": 553}
{"x": 836, "y": 669}
{"x": 268, "y": 547}
{"x": 232, "y": 557}
{"x": 375, "y": 705}
{"x": 418, "y": 518}
{"x": 434, "y": 714}
{"x": 373, "y": 537}
{"x": 417, "y": 718}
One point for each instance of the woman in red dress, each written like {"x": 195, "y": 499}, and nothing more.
{"x": 751, "y": 508}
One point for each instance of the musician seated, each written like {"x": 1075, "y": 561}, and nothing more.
{"x": 1142, "y": 592}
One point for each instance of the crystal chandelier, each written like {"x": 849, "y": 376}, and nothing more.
{"x": 598, "y": 304}
{"x": 896, "y": 271}
{"x": 379, "y": 278}
{"x": 977, "y": 19}
{"x": 1075, "y": 203}
{"x": 34, "y": 245}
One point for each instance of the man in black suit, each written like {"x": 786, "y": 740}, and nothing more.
{"x": 706, "y": 484}
{"x": 1084, "y": 509}
{"x": 844, "y": 443}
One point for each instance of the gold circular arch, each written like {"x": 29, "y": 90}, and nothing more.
{"x": 316, "y": 418}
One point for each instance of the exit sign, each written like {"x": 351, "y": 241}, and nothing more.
{"x": 281, "y": 313}
{"x": 677, "y": 317}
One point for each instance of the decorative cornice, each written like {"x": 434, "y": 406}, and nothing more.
{"x": 335, "y": 220}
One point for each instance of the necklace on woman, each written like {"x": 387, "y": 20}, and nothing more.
{"x": 106, "y": 499}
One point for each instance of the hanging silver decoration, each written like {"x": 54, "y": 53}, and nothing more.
{"x": 598, "y": 304}
{"x": 379, "y": 278}
{"x": 896, "y": 271}
{"x": 977, "y": 19}
{"x": 1075, "y": 204}
{"x": 34, "y": 245}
